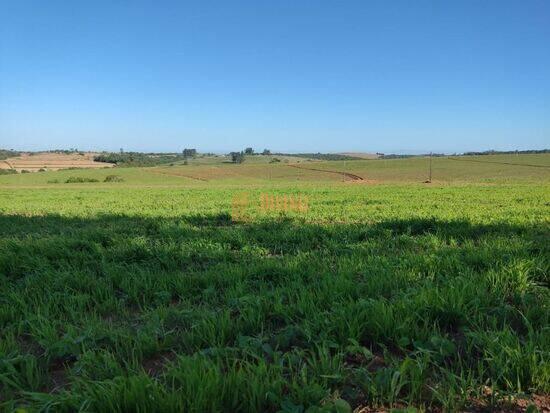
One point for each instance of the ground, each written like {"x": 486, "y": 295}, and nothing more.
{"x": 152, "y": 294}
{"x": 48, "y": 161}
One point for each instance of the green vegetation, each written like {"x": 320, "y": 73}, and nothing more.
{"x": 146, "y": 295}
{"x": 189, "y": 153}
{"x": 7, "y": 171}
{"x": 5, "y": 154}
{"x": 139, "y": 159}
{"x": 492, "y": 152}
{"x": 239, "y": 157}
{"x": 113, "y": 178}
{"x": 80, "y": 179}
{"x": 321, "y": 156}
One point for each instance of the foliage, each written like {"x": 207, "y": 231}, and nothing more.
{"x": 321, "y": 156}
{"x": 5, "y": 154}
{"x": 113, "y": 178}
{"x": 518, "y": 152}
{"x": 8, "y": 171}
{"x": 137, "y": 159}
{"x": 189, "y": 153}
{"x": 79, "y": 179}
{"x": 237, "y": 157}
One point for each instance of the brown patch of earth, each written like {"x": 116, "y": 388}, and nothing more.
{"x": 33, "y": 162}
{"x": 155, "y": 365}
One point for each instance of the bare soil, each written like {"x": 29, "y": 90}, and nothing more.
{"x": 33, "y": 162}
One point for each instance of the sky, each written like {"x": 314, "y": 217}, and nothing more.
{"x": 394, "y": 76}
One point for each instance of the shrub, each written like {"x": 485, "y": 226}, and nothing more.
{"x": 24, "y": 171}
{"x": 237, "y": 157}
{"x": 113, "y": 178}
{"x": 53, "y": 181}
{"x": 79, "y": 179}
{"x": 7, "y": 171}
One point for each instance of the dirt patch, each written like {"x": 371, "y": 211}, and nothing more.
{"x": 511, "y": 404}
{"x": 34, "y": 162}
{"x": 541, "y": 402}
{"x": 353, "y": 177}
{"x": 58, "y": 376}
{"x": 179, "y": 174}
{"x": 155, "y": 365}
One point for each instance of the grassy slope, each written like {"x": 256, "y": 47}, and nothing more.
{"x": 131, "y": 293}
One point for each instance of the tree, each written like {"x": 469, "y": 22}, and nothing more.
{"x": 237, "y": 157}
{"x": 266, "y": 152}
{"x": 189, "y": 153}
{"x": 249, "y": 151}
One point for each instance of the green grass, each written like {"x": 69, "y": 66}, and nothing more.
{"x": 144, "y": 295}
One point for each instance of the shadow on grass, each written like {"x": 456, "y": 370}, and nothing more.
{"x": 103, "y": 296}
{"x": 196, "y": 242}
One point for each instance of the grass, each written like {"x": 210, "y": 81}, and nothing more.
{"x": 147, "y": 296}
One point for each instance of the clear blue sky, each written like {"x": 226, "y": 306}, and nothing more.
{"x": 388, "y": 76}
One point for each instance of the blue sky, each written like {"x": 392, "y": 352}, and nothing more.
{"x": 298, "y": 76}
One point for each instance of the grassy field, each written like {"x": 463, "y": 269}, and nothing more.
{"x": 145, "y": 295}
{"x": 257, "y": 170}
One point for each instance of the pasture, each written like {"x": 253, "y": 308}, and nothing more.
{"x": 143, "y": 294}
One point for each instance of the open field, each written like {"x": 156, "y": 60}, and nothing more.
{"x": 51, "y": 161}
{"x": 145, "y": 295}
{"x": 258, "y": 170}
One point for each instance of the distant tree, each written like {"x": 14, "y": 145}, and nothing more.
{"x": 237, "y": 157}
{"x": 189, "y": 153}
{"x": 266, "y": 152}
{"x": 249, "y": 151}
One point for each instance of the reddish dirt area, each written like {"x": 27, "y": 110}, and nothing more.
{"x": 353, "y": 177}
{"x": 178, "y": 174}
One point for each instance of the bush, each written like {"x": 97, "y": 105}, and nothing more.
{"x": 79, "y": 179}
{"x": 24, "y": 171}
{"x": 113, "y": 178}
{"x": 42, "y": 170}
{"x": 237, "y": 157}
{"x": 7, "y": 171}
{"x": 53, "y": 181}
{"x": 5, "y": 154}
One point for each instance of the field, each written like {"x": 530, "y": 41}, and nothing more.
{"x": 33, "y": 162}
{"x": 150, "y": 294}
